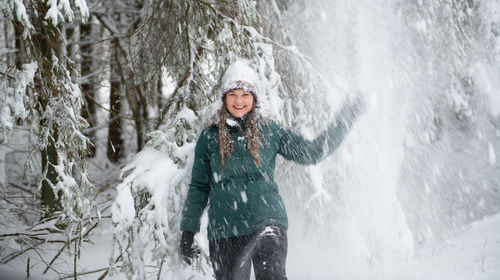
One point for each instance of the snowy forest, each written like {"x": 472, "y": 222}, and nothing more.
{"x": 101, "y": 104}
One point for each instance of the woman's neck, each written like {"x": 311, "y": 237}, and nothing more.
{"x": 235, "y": 122}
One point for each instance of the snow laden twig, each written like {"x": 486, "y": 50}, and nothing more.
{"x": 7, "y": 75}
{"x": 85, "y": 273}
{"x": 15, "y": 10}
{"x": 38, "y": 237}
{"x": 12, "y": 101}
{"x": 148, "y": 206}
{"x": 43, "y": 260}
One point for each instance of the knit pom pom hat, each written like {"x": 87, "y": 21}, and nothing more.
{"x": 239, "y": 76}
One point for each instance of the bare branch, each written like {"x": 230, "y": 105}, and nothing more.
{"x": 21, "y": 188}
{"x": 7, "y": 75}
{"x": 55, "y": 257}
{"x": 75, "y": 274}
{"x": 41, "y": 258}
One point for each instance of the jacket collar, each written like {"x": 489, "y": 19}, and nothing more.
{"x": 236, "y": 123}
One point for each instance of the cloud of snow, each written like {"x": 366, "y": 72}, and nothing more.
{"x": 425, "y": 109}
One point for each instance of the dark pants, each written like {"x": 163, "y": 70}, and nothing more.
{"x": 266, "y": 248}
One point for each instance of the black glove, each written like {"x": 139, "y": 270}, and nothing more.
{"x": 187, "y": 250}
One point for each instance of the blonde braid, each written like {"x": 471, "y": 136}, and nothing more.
{"x": 226, "y": 141}
{"x": 253, "y": 136}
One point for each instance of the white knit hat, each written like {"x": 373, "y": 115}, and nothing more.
{"x": 239, "y": 76}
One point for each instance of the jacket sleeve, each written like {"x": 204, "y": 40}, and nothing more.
{"x": 200, "y": 186}
{"x": 294, "y": 147}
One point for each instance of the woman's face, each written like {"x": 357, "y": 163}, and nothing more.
{"x": 239, "y": 102}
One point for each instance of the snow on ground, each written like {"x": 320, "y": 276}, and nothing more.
{"x": 94, "y": 255}
{"x": 472, "y": 254}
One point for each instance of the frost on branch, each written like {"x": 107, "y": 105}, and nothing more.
{"x": 148, "y": 207}
{"x": 12, "y": 101}
{"x": 15, "y": 9}
{"x": 72, "y": 186}
{"x": 61, "y": 11}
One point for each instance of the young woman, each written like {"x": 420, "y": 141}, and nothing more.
{"x": 233, "y": 172}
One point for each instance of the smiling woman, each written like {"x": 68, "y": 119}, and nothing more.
{"x": 234, "y": 167}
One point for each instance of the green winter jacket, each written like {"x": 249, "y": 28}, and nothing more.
{"x": 244, "y": 197}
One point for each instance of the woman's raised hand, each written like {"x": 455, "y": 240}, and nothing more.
{"x": 353, "y": 107}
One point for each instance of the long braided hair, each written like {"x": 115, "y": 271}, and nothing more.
{"x": 226, "y": 139}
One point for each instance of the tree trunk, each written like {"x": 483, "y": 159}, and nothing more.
{"x": 18, "y": 45}
{"x": 87, "y": 85}
{"x": 138, "y": 105}
{"x": 49, "y": 159}
{"x": 136, "y": 95}
{"x": 46, "y": 41}
{"x": 159, "y": 96}
{"x": 115, "y": 148}
{"x": 18, "y": 33}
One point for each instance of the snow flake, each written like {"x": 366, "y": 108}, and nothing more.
{"x": 492, "y": 159}
{"x": 244, "y": 196}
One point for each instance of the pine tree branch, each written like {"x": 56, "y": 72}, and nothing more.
{"x": 21, "y": 188}
{"x": 172, "y": 98}
{"x": 14, "y": 255}
{"x": 54, "y": 258}
{"x": 33, "y": 236}
{"x": 159, "y": 270}
{"x": 41, "y": 258}
{"x": 28, "y": 268}
{"x": 75, "y": 258}
{"x": 75, "y": 274}
{"x": 7, "y": 75}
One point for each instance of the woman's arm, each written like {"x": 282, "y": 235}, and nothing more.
{"x": 200, "y": 186}
{"x": 296, "y": 148}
